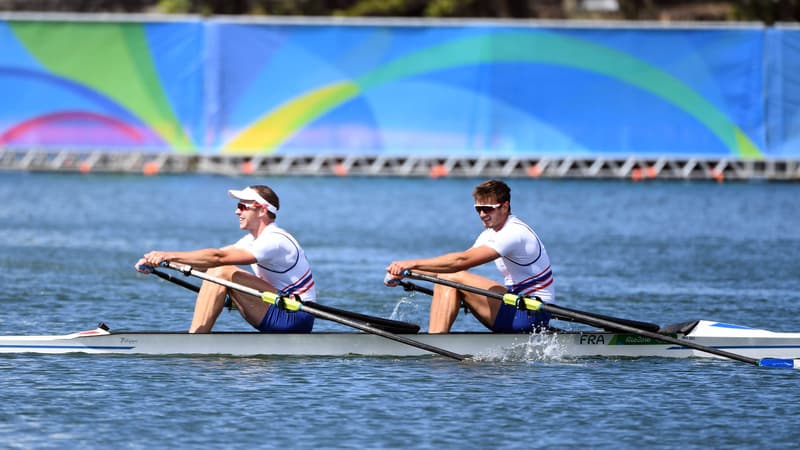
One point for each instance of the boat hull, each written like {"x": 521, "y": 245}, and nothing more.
{"x": 749, "y": 342}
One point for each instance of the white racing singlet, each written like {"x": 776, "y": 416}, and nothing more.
{"x": 523, "y": 259}
{"x": 280, "y": 261}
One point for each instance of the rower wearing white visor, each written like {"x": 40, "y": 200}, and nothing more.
{"x": 278, "y": 262}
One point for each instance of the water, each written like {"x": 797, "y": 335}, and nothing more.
{"x": 662, "y": 252}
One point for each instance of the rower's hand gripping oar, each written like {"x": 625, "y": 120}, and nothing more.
{"x": 521, "y": 301}
{"x": 407, "y": 285}
{"x": 292, "y": 304}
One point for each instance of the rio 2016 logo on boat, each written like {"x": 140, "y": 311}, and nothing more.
{"x": 633, "y": 339}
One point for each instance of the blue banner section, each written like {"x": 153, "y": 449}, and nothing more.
{"x": 230, "y": 87}
{"x": 783, "y": 92}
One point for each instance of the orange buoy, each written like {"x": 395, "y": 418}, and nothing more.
{"x": 534, "y": 171}
{"x": 340, "y": 170}
{"x": 150, "y": 168}
{"x": 438, "y": 170}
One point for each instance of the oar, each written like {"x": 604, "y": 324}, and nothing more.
{"x": 295, "y": 305}
{"x": 594, "y": 320}
{"x": 634, "y": 323}
{"x": 392, "y": 326}
{"x": 176, "y": 280}
{"x": 409, "y": 286}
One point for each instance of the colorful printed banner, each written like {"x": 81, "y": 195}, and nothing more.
{"x": 115, "y": 86}
{"x": 216, "y": 86}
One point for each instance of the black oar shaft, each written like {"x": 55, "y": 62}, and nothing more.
{"x": 176, "y": 280}
{"x": 415, "y": 287}
{"x": 188, "y": 270}
{"x": 379, "y": 332}
{"x": 589, "y": 319}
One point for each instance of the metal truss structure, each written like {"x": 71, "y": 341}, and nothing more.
{"x": 631, "y": 167}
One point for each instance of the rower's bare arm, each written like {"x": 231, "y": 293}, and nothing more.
{"x": 447, "y": 263}
{"x": 203, "y": 258}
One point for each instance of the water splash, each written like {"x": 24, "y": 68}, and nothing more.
{"x": 538, "y": 347}
{"x": 406, "y": 310}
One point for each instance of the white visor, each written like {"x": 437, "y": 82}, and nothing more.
{"x": 251, "y": 195}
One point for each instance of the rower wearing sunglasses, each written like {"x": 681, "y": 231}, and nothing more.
{"x": 518, "y": 254}
{"x": 277, "y": 260}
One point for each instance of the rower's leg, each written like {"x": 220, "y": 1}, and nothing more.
{"x": 444, "y": 308}
{"x": 253, "y": 309}
{"x": 209, "y": 303}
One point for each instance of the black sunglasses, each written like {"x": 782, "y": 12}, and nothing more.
{"x": 245, "y": 206}
{"x": 487, "y": 208}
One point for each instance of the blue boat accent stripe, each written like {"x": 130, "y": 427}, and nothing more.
{"x": 728, "y": 325}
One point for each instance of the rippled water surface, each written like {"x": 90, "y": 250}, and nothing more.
{"x": 662, "y": 252}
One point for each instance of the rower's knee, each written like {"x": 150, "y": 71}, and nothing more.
{"x": 225, "y": 272}
{"x": 440, "y": 290}
{"x": 201, "y": 329}
{"x": 446, "y": 295}
{"x": 456, "y": 277}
